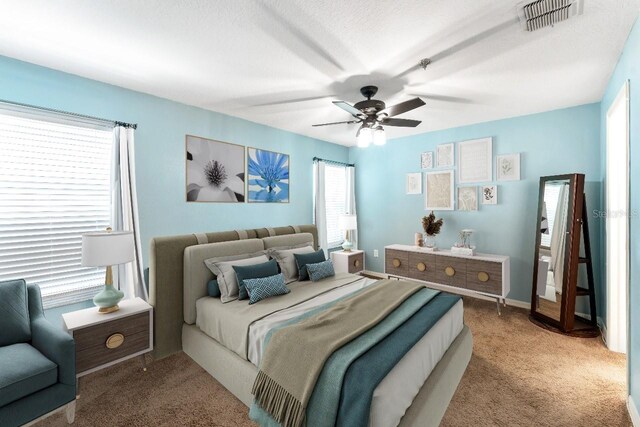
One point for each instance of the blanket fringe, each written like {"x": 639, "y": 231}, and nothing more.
{"x": 278, "y": 402}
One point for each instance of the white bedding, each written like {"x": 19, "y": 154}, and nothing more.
{"x": 395, "y": 393}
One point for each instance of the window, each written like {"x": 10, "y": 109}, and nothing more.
{"x": 551, "y": 194}
{"x": 336, "y": 202}
{"x": 54, "y": 186}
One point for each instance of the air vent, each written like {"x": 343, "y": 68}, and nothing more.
{"x": 544, "y": 13}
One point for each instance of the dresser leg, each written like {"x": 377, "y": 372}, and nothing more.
{"x": 77, "y": 387}
{"x": 498, "y": 304}
{"x": 144, "y": 363}
{"x": 70, "y": 412}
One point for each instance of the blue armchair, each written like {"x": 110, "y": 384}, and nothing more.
{"x": 37, "y": 359}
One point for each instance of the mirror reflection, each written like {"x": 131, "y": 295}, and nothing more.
{"x": 551, "y": 259}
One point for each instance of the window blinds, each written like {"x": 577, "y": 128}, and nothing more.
{"x": 335, "y": 199}
{"x": 54, "y": 186}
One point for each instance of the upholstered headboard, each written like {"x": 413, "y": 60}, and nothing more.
{"x": 166, "y": 275}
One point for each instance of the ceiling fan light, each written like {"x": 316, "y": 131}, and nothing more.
{"x": 365, "y": 137}
{"x": 379, "y": 137}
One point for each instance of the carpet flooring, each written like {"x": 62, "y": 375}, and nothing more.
{"x": 519, "y": 375}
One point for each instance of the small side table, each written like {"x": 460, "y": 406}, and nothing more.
{"x": 103, "y": 340}
{"x": 348, "y": 262}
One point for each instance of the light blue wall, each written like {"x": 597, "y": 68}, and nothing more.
{"x": 628, "y": 68}
{"x": 551, "y": 143}
{"x": 160, "y": 150}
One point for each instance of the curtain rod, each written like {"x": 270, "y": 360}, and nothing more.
{"x": 66, "y": 113}
{"x": 318, "y": 159}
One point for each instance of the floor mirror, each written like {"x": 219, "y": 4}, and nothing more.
{"x": 563, "y": 291}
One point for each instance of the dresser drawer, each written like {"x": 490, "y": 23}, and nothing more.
{"x": 484, "y": 276}
{"x": 422, "y": 266}
{"x": 356, "y": 262}
{"x": 92, "y": 347}
{"x": 451, "y": 271}
{"x": 396, "y": 262}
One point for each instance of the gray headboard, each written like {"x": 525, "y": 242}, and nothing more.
{"x": 166, "y": 275}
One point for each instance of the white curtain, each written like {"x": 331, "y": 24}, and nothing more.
{"x": 558, "y": 237}
{"x": 351, "y": 200}
{"x": 129, "y": 277}
{"x": 320, "y": 210}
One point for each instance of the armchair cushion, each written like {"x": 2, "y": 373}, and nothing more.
{"x": 14, "y": 313}
{"x": 24, "y": 371}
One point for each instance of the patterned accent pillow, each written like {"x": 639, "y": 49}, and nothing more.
{"x": 303, "y": 259}
{"x": 320, "y": 270}
{"x": 265, "y": 287}
{"x": 255, "y": 271}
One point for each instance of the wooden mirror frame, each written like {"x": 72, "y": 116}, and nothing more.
{"x": 575, "y": 218}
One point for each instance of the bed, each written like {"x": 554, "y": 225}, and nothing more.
{"x": 227, "y": 339}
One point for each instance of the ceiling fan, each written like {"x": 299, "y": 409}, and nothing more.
{"x": 373, "y": 114}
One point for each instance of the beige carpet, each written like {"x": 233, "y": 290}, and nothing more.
{"x": 519, "y": 375}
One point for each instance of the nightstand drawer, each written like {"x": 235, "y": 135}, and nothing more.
{"x": 111, "y": 340}
{"x": 356, "y": 262}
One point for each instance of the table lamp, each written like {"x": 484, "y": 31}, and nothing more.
{"x": 347, "y": 223}
{"x": 105, "y": 249}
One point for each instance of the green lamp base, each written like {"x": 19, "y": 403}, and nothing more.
{"x": 108, "y": 299}
{"x": 347, "y": 246}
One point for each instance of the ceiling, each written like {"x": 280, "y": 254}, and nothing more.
{"x": 282, "y": 62}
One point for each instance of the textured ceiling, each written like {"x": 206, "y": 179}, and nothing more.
{"x": 282, "y": 62}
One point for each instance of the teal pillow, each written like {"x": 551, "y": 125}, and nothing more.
{"x": 320, "y": 270}
{"x": 15, "y": 325}
{"x": 256, "y": 271}
{"x": 303, "y": 259}
{"x": 265, "y": 287}
{"x": 213, "y": 289}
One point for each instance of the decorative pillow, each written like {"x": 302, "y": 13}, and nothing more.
{"x": 265, "y": 287}
{"x": 303, "y": 259}
{"x": 213, "y": 289}
{"x": 257, "y": 271}
{"x": 226, "y": 275}
{"x": 320, "y": 270}
{"x": 15, "y": 326}
{"x": 287, "y": 261}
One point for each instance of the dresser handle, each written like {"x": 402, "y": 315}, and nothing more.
{"x": 483, "y": 277}
{"x": 356, "y": 263}
{"x": 396, "y": 262}
{"x": 450, "y": 271}
{"x": 114, "y": 341}
{"x": 421, "y": 266}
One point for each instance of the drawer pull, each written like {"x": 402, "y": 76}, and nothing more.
{"x": 396, "y": 262}
{"x": 114, "y": 341}
{"x": 421, "y": 266}
{"x": 450, "y": 271}
{"x": 483, "y": 277}
{"x": 356, "y": 263}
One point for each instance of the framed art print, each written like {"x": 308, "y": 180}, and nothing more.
{"x": 414, "y": 183}
{"x": 508, "y": 167}
{"x": 489, "y": 195}
{"x": 467, "y": 198}
{"x": 475, "y": 161}
{"x": 267, "y": 176}
{"x": 444, "y": 156}
{"x": 214, "y": 171}
{"x": 439, "y": 190}
{"x": 426, "y": 160}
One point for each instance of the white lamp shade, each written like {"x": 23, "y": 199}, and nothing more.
{"x": 347, "y": 222}
{"x": 107, "y": 248}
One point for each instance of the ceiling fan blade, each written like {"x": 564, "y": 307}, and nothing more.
{"x": 403, "y": 107}
{"x": 405, "y": 123}
{"x": 348, "y": 122}
{"x": 348, "y": 108}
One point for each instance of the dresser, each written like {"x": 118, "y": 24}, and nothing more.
{"x": 483, "y": 274}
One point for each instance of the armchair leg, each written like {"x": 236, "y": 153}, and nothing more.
{"x": 70, "y": 412}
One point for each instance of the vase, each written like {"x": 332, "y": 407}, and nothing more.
{"x": 429, "y": 240}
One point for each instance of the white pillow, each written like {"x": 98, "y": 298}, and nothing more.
{"x": 287, "y": 261}
{"x": 226, "y": 275}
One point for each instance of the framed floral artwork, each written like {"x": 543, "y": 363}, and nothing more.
{"x": 490, "y": 195}
{"x": 444, "y": 155}
{"x": 267, "y": 176}
{"x": 214, "y": 171}
{"x": 426, "y": 160}
{"x": 439, "y": 190}
{"x": 467, "y": 198}
{"x": 508, "y": 167}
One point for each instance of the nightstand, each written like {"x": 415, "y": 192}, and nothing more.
{"x": 106, "y": 339}
{"x": 348, "y": 262}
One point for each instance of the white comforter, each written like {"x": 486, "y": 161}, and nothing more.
{"x": 395, "y": 393}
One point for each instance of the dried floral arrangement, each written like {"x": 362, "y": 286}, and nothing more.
{"x": 431, "y": 225}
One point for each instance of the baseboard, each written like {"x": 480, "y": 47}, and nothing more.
{"x": 633, "y": 412}
{"x": 510, "y": 302}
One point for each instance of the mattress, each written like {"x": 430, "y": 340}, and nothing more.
{"x": 394, "y": 394}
